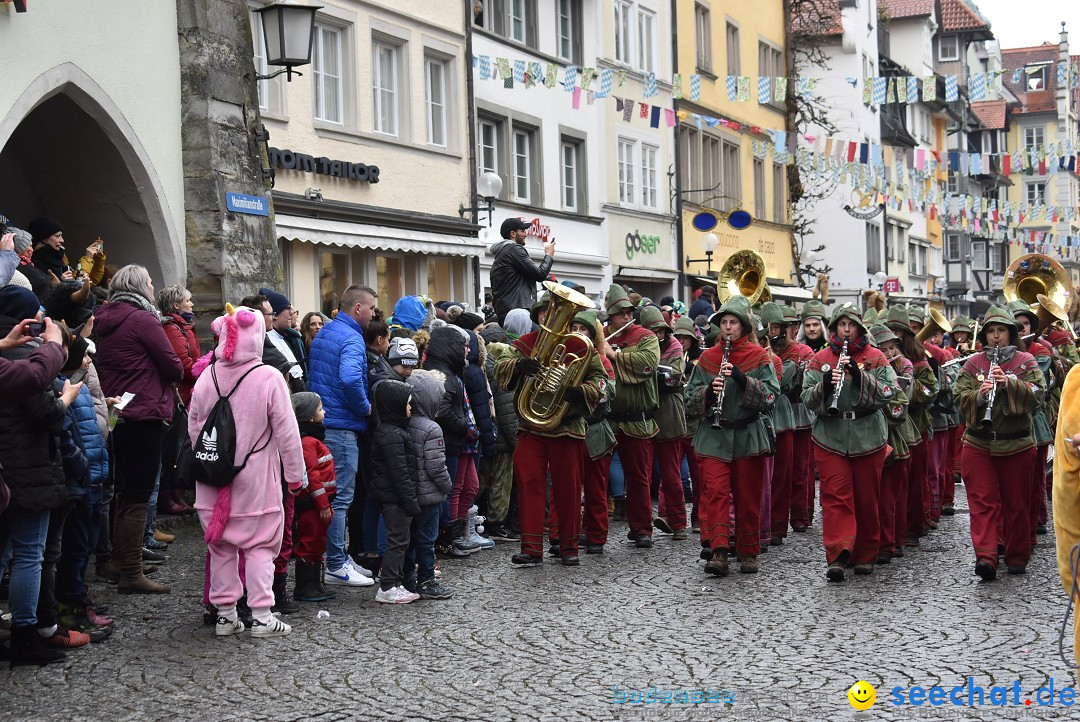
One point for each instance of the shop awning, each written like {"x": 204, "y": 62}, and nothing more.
{"x": 372, "y": 237}
{"x": 645, "y": 274}
{"x": 791, "y": 293}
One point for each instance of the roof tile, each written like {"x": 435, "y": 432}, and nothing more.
{"x": 962, "y": 15}
{"x": 991, "y": 113}
{"x": 1031, "y": 101}
{"x": 896, "y": 9}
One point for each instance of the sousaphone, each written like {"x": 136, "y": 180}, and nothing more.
{"x": 1033, "y": 274}
{"x": 743, "y": 274}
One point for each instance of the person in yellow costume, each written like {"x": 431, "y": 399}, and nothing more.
{"x": 1066, "y": 496}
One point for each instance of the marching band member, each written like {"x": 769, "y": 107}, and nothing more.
{"x": 736, "y": 376}
{"x": 941, "y": 424}
{"x": 923, "y": 391}
{"x": 998, "y": 391}
{"x": 772, "y": 316}
{"x": 635, "y": 354}
{"x": 561, "y": 448}
{"x": 686, "y": 333}
{"x": 813, "y": 332}
{"x": 963, "y": 344}
{"x": 671, "y": 420}
{"x": 802, "y": 469}
{"x": 894, "y": 477}
{"x": 847, "y": 391}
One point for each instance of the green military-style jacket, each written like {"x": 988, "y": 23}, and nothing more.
{"x": 922, "y": 393}
{"x": 861, "y": 428}
{"x": 638, "y": 354}
{"x": 1015, "y": 403}
{"x": 782, "y": 412}
{"x": 672, "y": 415}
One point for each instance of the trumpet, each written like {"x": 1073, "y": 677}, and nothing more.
{"x": 987, "y": 420}
{"x": 718, "y": 408}
{"x": 833, "y": 409}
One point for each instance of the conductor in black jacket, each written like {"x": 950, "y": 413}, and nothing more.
{"x": 513, "y": 274}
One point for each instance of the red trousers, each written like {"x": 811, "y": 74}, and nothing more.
{"x": 725, "y": 482}
{"x": 917, "y": 487}
{"x": 532, "y": 457}
{"x": 935, "y": 475}
{"x": 281, "y": 561}
{"x": 671, "y": 504}
{"x": 596, "y": 495}
{"x": 998, "y": 487}
{"x": 310, "y": 542}
{"x": 849, "y": 504}
{"x": 802, "y": 476}
{"x": 952, "y": 465}
{"x": 958, "y": 450}
{"x": 1037, "y": 500}
{"x": 783, "y": 469}
{"x": 695, "y": 476}
{"x": 891, "y": 514}
{"x": 636, "y": 456}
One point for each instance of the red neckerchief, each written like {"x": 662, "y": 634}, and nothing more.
{"x": 673, "y": 349}
{"x": 863, "y": 354}
{"x": 629, "y": 337}
{"x": 745, "y": 356}
{"x": 1058, "y": 338}
{"x": 937, "y": 352}
{"x": 26, "y": 257}
{"x": 526, "y": 343}
{"x": 778, "y": 365}
{"x": 979, "y": 363}
{"x": 1038, "y": 348}
{"x": 797, "y": 352}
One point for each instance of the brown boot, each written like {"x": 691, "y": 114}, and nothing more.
{"x": 130, "y": 528}
{"x": 718, "y": 565}
{"x": 165, "y": 537}
{"x": 748, "y": 565}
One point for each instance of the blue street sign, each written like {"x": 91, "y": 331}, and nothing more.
{"x": 252, "y": 205}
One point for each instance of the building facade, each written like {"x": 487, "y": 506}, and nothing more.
{"x": 718, "y": 169}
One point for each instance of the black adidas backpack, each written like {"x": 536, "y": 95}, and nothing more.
{"x": 215, "y": 448}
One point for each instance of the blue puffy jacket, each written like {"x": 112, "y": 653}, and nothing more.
{"x": 338, "y": 373}
{"x": 93, "y": 445}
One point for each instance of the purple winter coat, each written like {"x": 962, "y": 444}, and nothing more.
{"x": 134, "y": 354}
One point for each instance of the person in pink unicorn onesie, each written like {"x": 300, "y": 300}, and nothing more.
{"x": 247, "y": 516}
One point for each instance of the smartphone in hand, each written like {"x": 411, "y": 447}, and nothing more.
{"x": 35, "y": 329}
{"x": 78, "y": 377}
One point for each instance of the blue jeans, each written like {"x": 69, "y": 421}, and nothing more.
{"x": 343, "y": 445}
{"x": 425, "y": 530}
{"x": 79, "y": 529}
{"x": 26, "y": 531}
{"x": 616, "y": 479}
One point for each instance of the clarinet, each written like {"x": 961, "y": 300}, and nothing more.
{"x": 717, "y": 411}
{"x": 833, "y": 409}
{"x": 987, "y": 421}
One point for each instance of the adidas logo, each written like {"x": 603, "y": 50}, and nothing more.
{"x": 209, "y": 440}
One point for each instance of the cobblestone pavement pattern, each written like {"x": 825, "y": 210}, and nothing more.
{"x": 554, "y": 643}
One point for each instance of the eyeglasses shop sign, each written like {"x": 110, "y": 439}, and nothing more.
{"x": 289, "y": 160}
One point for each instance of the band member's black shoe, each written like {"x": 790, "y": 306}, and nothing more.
{"x": 835, "y": 572}
{"x": 705, "y": 554}
{"x": 1017, "y": 569}
{"x": 864, "y": 569}
{"x": 776, "y": 541}
{"x": 986, "y": 571}
{"x": 643, "y": 541}
{"x": 1040, "y": 528}
{"x": 526, "y": 560}
{"x": 570, "y": 560}
{"x": 948, "y": 511}
{"x": 801, "y": 528}
{"x": 594, "y": 548}
{"x": 662, "y": 524}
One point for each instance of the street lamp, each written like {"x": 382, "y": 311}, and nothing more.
{"x": 488, "y": 186}
{"x": 709, "y": 242}
{"x": 288, "y": 32}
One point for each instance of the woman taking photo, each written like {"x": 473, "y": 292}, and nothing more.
{"x": 135, "y": 357}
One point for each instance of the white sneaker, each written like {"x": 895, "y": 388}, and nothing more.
{"x": 274, "y": 628}
{"x": 226, "y": 627}
{"x": 347, "y": 576}
{"x": 397, "y": 595}
{"x": 357, "y": 568}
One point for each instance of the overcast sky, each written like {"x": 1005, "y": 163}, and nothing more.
{"x": 1019, "y": 23}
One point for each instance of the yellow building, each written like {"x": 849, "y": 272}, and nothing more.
{"x": 743, "y": 40}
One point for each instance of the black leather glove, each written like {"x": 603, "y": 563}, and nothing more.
{"x": 528, "y": 367}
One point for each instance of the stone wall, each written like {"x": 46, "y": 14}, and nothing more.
{"x": 228, "y": 254}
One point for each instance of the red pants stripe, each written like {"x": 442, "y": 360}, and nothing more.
{"x": 849, "y": 504}
{"x": 916, "y": 488}
{"x": 725, "y": 483}
{"x": 596, "y": 495}
{"x": 671, "y": 504}
{"x": 636, "y": 456}
{"x": 532, "y": 457}
{"x": 310, "y": 541}
{"x": 935, "y": 475}
{"x": 997, "y": 488}
{"x": 783, "y": 469}
{"x": 891, "y": 513}
{"x": 802, "y": 477}
{"x": 1037, "y": 499}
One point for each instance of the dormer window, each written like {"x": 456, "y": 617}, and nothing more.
{"x": 1036, "y": 77}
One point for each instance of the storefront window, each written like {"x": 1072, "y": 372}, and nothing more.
{"x": 389, "y": 274}
{"x": 333, "y": 279}
{"x": 440, "y": 287}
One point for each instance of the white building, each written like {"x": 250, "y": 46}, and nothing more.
{"x": 546, "y": 150}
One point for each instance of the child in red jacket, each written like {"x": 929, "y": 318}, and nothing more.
{"x": 313, "y": 512}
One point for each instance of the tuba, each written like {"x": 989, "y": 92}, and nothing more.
{"x": 937, "y": 323}
{"x": 540, "y": 402}
{"x": 743, "y": 274}
{"x": 1051, "y": 314}
{"x": 1034, "y": 274}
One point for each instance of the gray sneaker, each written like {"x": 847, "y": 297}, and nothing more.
{"x": 434, "y": 589}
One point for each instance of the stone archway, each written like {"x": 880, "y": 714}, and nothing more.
{"x": 66, "y": 151}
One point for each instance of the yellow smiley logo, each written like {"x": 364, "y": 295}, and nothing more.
{"x": 862, "y": 695}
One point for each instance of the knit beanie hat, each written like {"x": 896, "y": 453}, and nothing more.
{"x": 18, "y": 303}
{"x": 278, "y": 301}
{"x": 403, "y": 352}
{"x": 468, "y": 320}
{"x": 76, "y": 351}
{"x": 305, "y": 404}
{"x": 42, "y": 228}
{"x": 493, "y": 333}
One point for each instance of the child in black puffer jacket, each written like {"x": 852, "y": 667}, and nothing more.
{"x": 394, "y": 484}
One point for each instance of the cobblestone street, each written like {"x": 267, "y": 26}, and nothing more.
{"x": 561, "y": 643}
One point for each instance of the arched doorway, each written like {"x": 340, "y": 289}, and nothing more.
{"x": 67, "y": 153}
